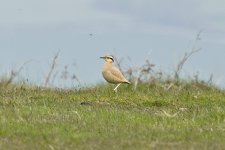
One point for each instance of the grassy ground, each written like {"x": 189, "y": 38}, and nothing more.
{"x": 188, "y": 116}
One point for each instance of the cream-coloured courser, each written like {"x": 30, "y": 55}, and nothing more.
{"x": 111, "y": 73}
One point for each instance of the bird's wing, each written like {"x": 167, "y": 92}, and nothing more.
{"x": 117, "y": 74}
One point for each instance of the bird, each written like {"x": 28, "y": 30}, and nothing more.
{"x": 111, "y": 73}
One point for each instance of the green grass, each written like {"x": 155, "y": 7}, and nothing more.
{"x": 188, "y": 116}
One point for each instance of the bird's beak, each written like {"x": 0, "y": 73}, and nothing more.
{"x": 103, "y": 57}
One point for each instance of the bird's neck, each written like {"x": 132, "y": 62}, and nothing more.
{"x": 108, "y": 64}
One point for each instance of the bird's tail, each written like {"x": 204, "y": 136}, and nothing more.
{"x": 128, "y": 82}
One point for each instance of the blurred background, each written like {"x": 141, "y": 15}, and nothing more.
{"x": 33, "y": 32}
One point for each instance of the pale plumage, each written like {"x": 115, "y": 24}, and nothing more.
{"x": 112, "y": 74}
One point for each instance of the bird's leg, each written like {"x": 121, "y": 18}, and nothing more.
{"x": 115, "y": 89}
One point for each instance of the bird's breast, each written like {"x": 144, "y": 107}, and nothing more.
{"x": 112, "y": 74}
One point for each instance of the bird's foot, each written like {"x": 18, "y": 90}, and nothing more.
{"x": 115, "y": 90}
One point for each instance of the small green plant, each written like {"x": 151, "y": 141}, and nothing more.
{"x": 95, "y": 118}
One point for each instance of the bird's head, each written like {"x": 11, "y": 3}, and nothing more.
{"x": 108, "y": 58}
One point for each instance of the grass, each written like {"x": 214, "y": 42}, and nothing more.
{"x": 188, "y": 116}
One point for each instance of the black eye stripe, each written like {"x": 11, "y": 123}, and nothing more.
{"x": 110, "y": 58}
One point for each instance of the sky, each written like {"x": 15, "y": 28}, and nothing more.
{"x": 33, "y": 31}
